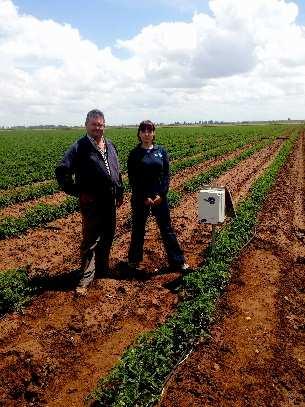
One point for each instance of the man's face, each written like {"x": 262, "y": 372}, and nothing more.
{"x": 95, "y": 126}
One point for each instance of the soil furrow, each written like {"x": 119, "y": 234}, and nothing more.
{"x": 184, "y": 175}
{"x": 238, "y": 187}
{"x": 256, "y": 353}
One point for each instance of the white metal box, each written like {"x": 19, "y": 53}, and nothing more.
{"x": 212, "y": 205}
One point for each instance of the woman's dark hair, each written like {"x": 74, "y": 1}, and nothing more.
{"x": 146, "y": 124}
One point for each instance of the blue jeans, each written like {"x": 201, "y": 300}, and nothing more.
{"x": 140, "y": 213}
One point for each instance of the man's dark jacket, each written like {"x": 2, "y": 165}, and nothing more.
{"x": 83, "y": 170}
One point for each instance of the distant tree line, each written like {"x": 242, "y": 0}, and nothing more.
{"x": 176, "y": 123}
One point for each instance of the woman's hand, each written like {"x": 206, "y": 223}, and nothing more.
{"x": 157, "y": 200}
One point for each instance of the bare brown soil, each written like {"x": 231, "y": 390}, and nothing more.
{"x": 186, "y": 174}
{"x": 256, "y": 353}
{"x": 54, "y": 352}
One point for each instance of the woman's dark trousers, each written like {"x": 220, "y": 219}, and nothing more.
{"x": 140, "y": 213}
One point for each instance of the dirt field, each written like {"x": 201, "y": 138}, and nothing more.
{"x": 256, "y": 353}
{"x": 55, "y": 351}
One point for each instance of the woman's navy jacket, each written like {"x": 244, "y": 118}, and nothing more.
{"x": 148, "y": 172}
{"x": 83, "y": 170}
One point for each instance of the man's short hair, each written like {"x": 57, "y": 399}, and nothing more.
{"x": 94, "y": 113}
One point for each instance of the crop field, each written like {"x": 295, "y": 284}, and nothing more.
{"x": 230, "y": 332}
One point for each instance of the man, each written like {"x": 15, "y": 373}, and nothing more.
{"x": 90, "y": 170}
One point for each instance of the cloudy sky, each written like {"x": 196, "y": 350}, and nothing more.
{"x": 166, "y": 60}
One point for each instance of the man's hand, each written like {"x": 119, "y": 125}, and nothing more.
{"x": 157, "y": 200}
{"x": 148, "y": 202}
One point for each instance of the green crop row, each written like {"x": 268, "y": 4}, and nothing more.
{"x": 225, "y": 146}
{"x": 23, "y": 194}
{"x": 39, "y": 215}
{"x": 139, "y": 376}
{"x": 214, "y": 172}
{"x": 212, "y": 137}
{"x": 15, "y": 290}
{"x": 206, "y": 177}
{"x": 28, "y": 156}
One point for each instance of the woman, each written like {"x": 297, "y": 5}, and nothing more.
{"x": 148, "y": 173}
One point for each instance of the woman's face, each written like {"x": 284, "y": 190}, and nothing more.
{"x": 147, "y": 136}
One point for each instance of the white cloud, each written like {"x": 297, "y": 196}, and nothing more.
{"x": 246, "y": 60}
{"x": 184, "y": 54}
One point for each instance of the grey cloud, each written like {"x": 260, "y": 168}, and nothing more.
{"x": 221, "y": 56}
{"x": 224, "y": 55}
